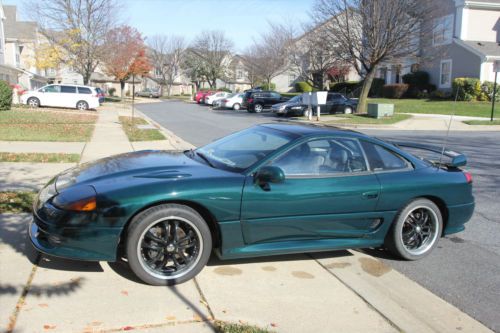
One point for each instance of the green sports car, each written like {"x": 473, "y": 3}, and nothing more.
{"x": 270, "y": 189}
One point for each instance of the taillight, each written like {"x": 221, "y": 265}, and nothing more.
{"x": 250, "y": 100}
{"x": 468, "y": 177}
{"x": 224, "y": 101}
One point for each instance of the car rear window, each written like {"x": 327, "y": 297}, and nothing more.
{"x": 68, "y": 89}
{"x": 383, "y": 159}
{"x": 83, "y": 90}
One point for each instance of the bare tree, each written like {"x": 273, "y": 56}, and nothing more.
{"x": 312, "y": 59}
{"x": 267, "y": 57}
{"x": 214, "y": 49}
{"x": 77, "y": 27}
{"x": 166, "y": 55}
{"x": 251, "y": 64}
{"x": 368, "y": 32}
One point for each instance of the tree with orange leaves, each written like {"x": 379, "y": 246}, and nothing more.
{"x": 125, "y": 54}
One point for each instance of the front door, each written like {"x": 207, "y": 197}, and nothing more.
{"x": 328, "y": 193}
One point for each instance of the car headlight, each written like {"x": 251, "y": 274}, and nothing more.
{"x": 297, "y": 107}
{"x": 81, "y": 198}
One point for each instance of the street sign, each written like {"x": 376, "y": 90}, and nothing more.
{"x": 496, "y": 66}
{"x": 319, "y": 97}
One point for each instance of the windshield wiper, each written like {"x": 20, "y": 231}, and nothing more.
{"x": 205, "y": 158}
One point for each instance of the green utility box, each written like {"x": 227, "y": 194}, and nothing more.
{"x": 380, "y": 110}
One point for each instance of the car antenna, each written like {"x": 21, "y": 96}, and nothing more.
{"x": 445, "y": 141}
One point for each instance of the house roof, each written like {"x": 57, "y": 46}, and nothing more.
{"x": 487, "y": 49}
{"x": 17, "y": 29}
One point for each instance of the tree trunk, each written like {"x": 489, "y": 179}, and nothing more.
{"x": 86, "y": 78}
{"x": 363, "y": 97}
{"x": 169, "y": 90}
{"x": 122, "y": 88}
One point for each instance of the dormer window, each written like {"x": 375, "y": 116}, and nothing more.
{"x": 442, "y": 32}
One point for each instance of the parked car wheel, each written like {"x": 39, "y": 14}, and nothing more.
{"x": 168, "y": 244}
{"x": 348, "y": 110}
{"x": 33, "y": 102}
{"x": 151, "y": 96}
{"x": 236, "y": 106}
{"x": 416, "y": 230}
{"x": 258, "y": 108}
{"x": 82, "y": 105}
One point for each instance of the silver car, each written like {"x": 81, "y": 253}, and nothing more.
{"x": 233, "y": 101}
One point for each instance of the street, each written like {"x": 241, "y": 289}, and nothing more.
{"x": 465, "y": 268}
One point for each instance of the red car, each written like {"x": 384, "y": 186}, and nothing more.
{"x": 200, "y": 96}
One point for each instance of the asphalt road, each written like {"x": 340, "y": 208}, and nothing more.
{"x": 465, "y": 268}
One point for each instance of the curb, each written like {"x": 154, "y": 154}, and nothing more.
{"x": 174, "y": 140}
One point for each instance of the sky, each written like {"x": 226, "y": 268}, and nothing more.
{"x": 242, "y": 20}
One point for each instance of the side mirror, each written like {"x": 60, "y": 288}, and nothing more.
{"x": 269, "y": 174}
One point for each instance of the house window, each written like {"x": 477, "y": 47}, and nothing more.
{"x": 442, "y": 32}
{"x": 239, "y": 74}
{"x": 445, "y": 74}
{"x": 291, "y": 78}
{"x": 158, "y": 72}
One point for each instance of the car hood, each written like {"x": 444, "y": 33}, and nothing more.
{"x": 146, "y": 165}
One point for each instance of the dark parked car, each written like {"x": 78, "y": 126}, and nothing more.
{"x": 267, "y": 190}
{"x": 335, "y": 103}
{"x": 151, "y": 93}
{"x": 257, "y": 101}
{"x": 100, "y": 94}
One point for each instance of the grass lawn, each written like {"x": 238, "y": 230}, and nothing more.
{"x": 364, "y": 119}
{"x": 16, "y": 201}
{"x": 224, "y": 327}
{"x": 135, "y": 134}
{"x": 482, "y": 122}
{"x": 37, "y": 125}
{"x": 40, "y": 157}
{"x": 181, "y": 97}
{"x": 474, "y": 109}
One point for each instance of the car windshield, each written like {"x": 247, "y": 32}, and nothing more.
{"x": 238, "y": 151}
{"x": 231, "y": 95}
{"x": 296, "y": 99}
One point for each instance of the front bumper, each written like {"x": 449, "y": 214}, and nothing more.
{"x": 83, "y": 242}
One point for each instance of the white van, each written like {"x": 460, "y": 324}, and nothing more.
{"x": 62, "y": 95}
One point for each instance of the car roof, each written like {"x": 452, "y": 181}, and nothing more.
{"x": 312, "y": 130}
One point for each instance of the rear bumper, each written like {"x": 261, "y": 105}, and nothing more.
{"x": 458, "y": 215}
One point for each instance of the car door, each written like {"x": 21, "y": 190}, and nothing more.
{"x": 274, "y": 98}
{"x": 328, "y": 192}
{"x": 50, "y": 95}
{"x": 68, "y": 96}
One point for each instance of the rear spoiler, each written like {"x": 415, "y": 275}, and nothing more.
{"x": 457, "y": 159}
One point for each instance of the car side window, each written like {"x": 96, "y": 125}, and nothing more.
{"x": 383, "y": 159}
{"x": 275, "y": 95}
{"x": 324, "y": 157}
{"x": 83, "y": 90}
{"x": 68, "y": 89}
{"x": 52, "y": 89}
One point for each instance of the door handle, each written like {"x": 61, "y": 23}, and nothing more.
{"x": 370, "y": 195}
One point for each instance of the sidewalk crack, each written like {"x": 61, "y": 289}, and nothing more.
{"x": 20, "y": 302}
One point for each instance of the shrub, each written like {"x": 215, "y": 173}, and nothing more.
{"x": 5, "y": 96}
{"x": 419, "y": 80}
{"x": 487, "y": 91}
{"x": 111, "y": 91}
{"x": 345, "y": 87}
{"x": 466, "y": 88}
{"x": 377, "y": 88}
{"x": 395, "y": 90}
{"x": 303, "y": 87}
{"x": 266, "y": 86}
{"x": 440, "y": 95}
{"x": 225, "y": 89}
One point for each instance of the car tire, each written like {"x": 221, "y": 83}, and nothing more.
{"x": 347, "y": 110}
{"x": 33, "y": 102}
{"x": 416, "y": 230}
{"x": 150, "y": 96}
{"x": 258, "y": 108}
{"x": 236, "y": 106}
{"x": 175, "y": 225}
{"x": 82, "y": 105}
